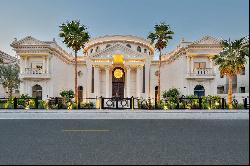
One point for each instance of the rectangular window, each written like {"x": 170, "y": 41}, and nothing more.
{"x": 220, "y": 89}
{"x": 36, "y": 68}
{"x": 92, "y": 81}
{"x": 199, "y": 65}
{"x": 242, "y": 90}
{"x": 37, "y": 65}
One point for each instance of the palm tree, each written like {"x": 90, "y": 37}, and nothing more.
{"x": 75, "y": 36}
{"x": 231, "y": 60}
{"x": 9, "y": 77}
{"x": 160, "y": 37}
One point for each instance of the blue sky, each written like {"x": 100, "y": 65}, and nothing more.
{"x": 190, "y": 19}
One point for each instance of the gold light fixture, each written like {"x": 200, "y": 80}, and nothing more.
{"x": 118, "y": 58}
{"x": 118, "y": 73}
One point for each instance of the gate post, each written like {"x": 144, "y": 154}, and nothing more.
{"x": 200, "y": 103}
{"x": 132, "y": 103}
{"x": 101, "y": 102}
{"x": 178, "y": 105}
{"x": 223, "y": 103}
{"x": 149, "y": 103}
{"x": 36, "y": 102}
{"x": 56, "y": 103}
{"x": 245, "y": 103}
{"x": 117, "y": 102}
{"x": 15, "y": 103}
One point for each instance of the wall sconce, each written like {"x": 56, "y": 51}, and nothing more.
{"x": 80, "y": 73}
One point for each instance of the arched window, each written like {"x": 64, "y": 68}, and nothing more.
{"x": 145, "y": 50}
{"x": 128, "y": 45}
{"x": 139, "y": 49}
{"x": 91, "y": 51}
{"x": 97, "y": 49}
{"x": 149, "y": 53}
{"x": 199, "y": 91}
{"x": 108, "y": 45}
{"x": 37, "y": 92}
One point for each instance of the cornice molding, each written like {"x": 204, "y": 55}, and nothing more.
{"x": 118, "y": 38}
{"x": 118, "y": 48}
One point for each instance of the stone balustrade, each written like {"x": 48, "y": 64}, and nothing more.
{"x": 34, "y": 73}
{"x": 202, "y": 73}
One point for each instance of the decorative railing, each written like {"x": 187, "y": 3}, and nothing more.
{"x": 123, "y": 103}
{"x": 34, "y": 73}
{"x": 207, "y": 72}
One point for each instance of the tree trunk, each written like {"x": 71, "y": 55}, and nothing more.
{"x": 230, "y": 92}
{"x": 159, "y": 82}
{"x": 76, "y": 80}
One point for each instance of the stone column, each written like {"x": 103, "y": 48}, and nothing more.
{"x": 128, "y": 81}
{"x": 25, "y": 64}
{"x": 44, "y": 69}
{"x": 211, "y": 66}
{"x": 97, "y": 81}
{"x": 138, "y": 81}
{"x": 21, "y": 65}
{"x": 188, "y": 65}
{"x": 147, "y": 79}
{"x": 192, "y": 64}
{"x": 47, "y": 71}
{"x": 89, "y": 79}
{"x": 107, "y": 81}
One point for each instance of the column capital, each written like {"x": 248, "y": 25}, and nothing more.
{"x": 96, "y": 66}
{"x": 107, "y": 67}
{"x": 128, "y": 67}
{"x": 139, "y": 67}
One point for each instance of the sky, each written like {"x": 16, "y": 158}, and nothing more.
{"x": 189, "y": 19}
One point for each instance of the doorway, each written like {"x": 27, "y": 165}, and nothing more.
{"x": 37, "y": 92}
{"x": 118, "y": 82}
{"x": 199, "y": 91}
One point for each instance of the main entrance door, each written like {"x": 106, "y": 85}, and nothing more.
{"x": 118, "y": 79}
{"x": 37, "y": 91}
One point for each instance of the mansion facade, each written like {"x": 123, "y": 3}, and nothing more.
{"x": 123, "y": 66}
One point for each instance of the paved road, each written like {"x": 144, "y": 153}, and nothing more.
{"x": 124, "y": 141}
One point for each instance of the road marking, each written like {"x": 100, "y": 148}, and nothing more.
{"x": 86, "y": 130}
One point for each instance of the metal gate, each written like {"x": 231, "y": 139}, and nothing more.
{"x": 117, "y": 103}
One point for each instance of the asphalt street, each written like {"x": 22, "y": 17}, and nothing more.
{"x": 124, "y": 142}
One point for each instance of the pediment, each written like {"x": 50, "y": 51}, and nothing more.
{"x": 118, "y": 48}
{"x": 27, "y": 41}
{"x": 208, "y": 40}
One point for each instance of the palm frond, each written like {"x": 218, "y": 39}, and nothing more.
{"x": 161, "y": 35}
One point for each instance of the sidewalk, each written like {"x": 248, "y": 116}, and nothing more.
{"x": 124, "y": 114}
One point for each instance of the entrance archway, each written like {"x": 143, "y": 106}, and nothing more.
{"x": 118, "y": 82}
{"x": 37, "y": 92}
{"x": 199, "y": 91}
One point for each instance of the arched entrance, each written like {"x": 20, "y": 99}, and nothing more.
{"x": 199, "y": 91}
{"x": 118, "y": 81}
{"x": 37, "y": 92}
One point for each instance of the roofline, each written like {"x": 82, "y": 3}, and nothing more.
{"x": 97, "y": 40}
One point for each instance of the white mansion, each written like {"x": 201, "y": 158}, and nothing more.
{"x": 123, "y": 66}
